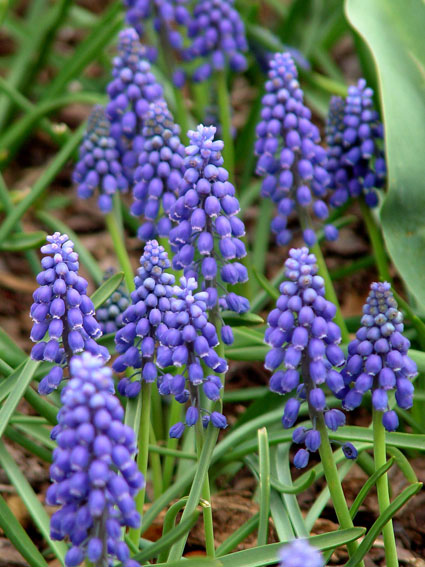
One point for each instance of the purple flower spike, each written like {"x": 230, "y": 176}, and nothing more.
{"x": 140, "y": 340}
{"x": 356, "y": 160}
{"x": 159, "y": 173}
{"x": 206, "y": 212}
{"x": 169, "y": 18}
{"x": 290, "y": 158}
{"x": 95, "y": 478}
{"x": 305, "y": 340}
{"x": 299, "y": 553}
{"x": 378, "y": 359}
{"x": 62, "y": 312}
{"x": 131, "y": 90}
{"x": 218, "y": 38}
{"x": 189, "y": 332}
{"x": 99, "y": 166}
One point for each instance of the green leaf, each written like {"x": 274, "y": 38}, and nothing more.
{"x": 264, "y": 482}
{"x": 402, "y": 440}
{"x": 267, "y": 554}
{"x": 235, "y": 320}
{"x": 34, "y": 506}
{"x": 375, "y": 530}
{"x": 370, "y": 483}
{"x": 10, "y": 352}
{"x": 19, "y": 537}
{"x": 106, "y": 289}
{"x": 398, "y": 47}
{"x": 266, "y": 285}
{"x": 23, "y": 241}
{"x": 197, "y": 562}
{"x": 168, "y": 539}
{"x": 21, "y": 384}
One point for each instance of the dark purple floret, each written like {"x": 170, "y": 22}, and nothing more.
{"x": 131, "y": 90}
{"x": 159, "y": 172}
{"x": 63, "y": 314}
{"x": 95, "y": 478}
{"x": 305, "y": 350}
{"x": 109, "y": 314}
{"x": 354, "y": 133}
{"x": 218, "y": 38}
{"x": 98, "y": 166}
{"x": 290, "y": 159}
{"x": 207, "y": 239}
{"x": 192, "y": 339}
{"x": 140, "y": 340}
{"x": 377, "y": 357}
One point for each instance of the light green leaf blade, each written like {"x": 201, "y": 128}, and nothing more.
{"x": 106, "y": 289}
{"x": 394, "y": 32}
{"x": 19, "y": 537}
{"x": 34, "y": 506}
{"x": 23, "y": 241}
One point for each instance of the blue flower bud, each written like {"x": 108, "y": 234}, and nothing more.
{"x": 290, "y": 159}
{"x": 300, "y": 553}
{"x": 349, "y": 451}
{"x": 301, "y": 458}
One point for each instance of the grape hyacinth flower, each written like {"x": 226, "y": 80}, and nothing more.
{"x": 110, "y": 313}
{"x": 377, "y": 357}
{"x": 169, "y": 18}
{"x": 62, "y": 310}
{"x": 207, "y": 238}
{"x": 290, "y": 158}
{"x": 99, "y": 165}
{"x": 299, "y": 553}
{"x": 305, "y": 340}
{"x": 218, "y": 37}
{"x": 131, "y": 90}
{"x": 192, "y": 339}
{"x": 95, "y": 478}
{"x": 356, "y": 160}
{"x": 159, "y": 173}
{"x": 139, "y": 342}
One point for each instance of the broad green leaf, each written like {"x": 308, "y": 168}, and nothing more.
{"x": 370, "y": 483}
{"x": 21, "y": 384}
{"x": 10, "y": 352}
{"x": 394, "y": 32}
{"x": 106, "y": 289}
{"x": 34, "y": 506}
{"x": 355, "y": 433}
{"x": 19, "y": 537}
{"x": 266, "y": 285}
{"x": 386, "y": 515}
{"x": 264, "y": 485}
{"x": 168, "y": 539}
{"x": 268, "y": 554}
{"x": 23, "y": 241}
{"x": 235, "y": 320}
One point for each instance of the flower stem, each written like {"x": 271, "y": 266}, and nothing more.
{"x": 225, "y": 113}
{"x": 206, "y": 495}
{"x": 143, "y": 450}
{"x": 380, "y": 454}
{"x": 114, "y": 224}
{"x": 330, "y": 291}
{"x": 377, "y": 242}
{"x": 334, "y": 483}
